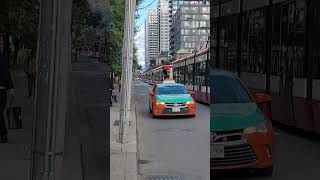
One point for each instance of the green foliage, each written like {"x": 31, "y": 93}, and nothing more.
{"x": 82, "y": 18}
{"x": 20, "y": 19}
{"x": 117, "y": 18}
{"x": 117, "y": 8}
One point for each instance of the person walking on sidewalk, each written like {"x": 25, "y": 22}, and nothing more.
{"x": 111, "y": 89}
{"x": 30, "y": 70}
{"x": 5, "y": 85}
{"x": 119, "y": 84}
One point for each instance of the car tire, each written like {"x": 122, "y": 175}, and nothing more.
{"x": 265, "y": 171}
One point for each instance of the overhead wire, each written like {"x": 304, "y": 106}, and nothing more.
{"x": 146, "y": 5}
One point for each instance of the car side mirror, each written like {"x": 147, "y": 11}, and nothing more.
{"x": 192, "y": 93}
{"x": 263, "y": 98}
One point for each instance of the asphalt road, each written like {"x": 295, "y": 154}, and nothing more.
{"x": 177, "y": 147}
{"x": 297, "y": 158}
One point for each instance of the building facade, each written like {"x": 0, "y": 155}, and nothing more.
{"x": 164, "y": 25}
{"x": 151, "y": 38}
{"x": 190, "y": 26}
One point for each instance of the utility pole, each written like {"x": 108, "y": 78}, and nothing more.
{"x": 54, "y": 58}
{"x": 127, "y": 61}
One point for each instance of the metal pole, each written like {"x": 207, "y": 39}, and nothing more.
{"x": 50, "y": 108}
{"x": 123, "y": 78}
{"x": 127, "y": 70}
{"x": 122, "y": 134}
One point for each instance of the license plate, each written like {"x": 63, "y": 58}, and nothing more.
{"x": 176, "y": 109}
{"x": 217, "y": 151}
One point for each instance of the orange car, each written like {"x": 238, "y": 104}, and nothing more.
{"x": 171, "y": 99}
{"x": 241, "y": 134}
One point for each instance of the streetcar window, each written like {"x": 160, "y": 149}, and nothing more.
{"x": 253, "y": 48}
{"x": 189, "y": 79}
{"x": 165, "y": 74}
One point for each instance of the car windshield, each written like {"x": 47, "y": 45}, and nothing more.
{"x": 228, "y": 90}
{"x": 172, "y": 89}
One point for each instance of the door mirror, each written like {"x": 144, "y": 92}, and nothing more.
{"x": 151, "y": 93}
{"x": 192, "y": 93}
{"x": 263, "y": 98}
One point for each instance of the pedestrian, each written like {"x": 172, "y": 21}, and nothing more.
{"x": 111, "y": 89}
{"x": 5, "y": 85}
{"x": 30, "y": 70}
{"x": 119, "y": 84}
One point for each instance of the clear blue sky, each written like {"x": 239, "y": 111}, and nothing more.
{"x": 139, "y": 39}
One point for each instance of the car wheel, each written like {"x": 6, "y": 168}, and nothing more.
{"x": 265, "y": 171}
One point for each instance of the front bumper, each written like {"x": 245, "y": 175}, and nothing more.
{"x": 255, "y": 151}
{"x": 164, "y": 110}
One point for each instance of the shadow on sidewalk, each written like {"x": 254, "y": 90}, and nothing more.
{"x": 16, "y": 155}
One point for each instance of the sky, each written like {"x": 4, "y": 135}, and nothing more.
{"x": 140, "y": 37}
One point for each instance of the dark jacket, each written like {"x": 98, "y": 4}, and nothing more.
{"x": 5, "y": 76}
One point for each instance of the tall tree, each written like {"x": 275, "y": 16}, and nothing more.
{"x": 19, "y": 19}
{"x": 117, "y": 29}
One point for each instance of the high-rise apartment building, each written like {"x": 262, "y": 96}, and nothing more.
{"x": 164, "y": 26}
{"x": 190, "y": 25}
{"x": 151, "y": 38}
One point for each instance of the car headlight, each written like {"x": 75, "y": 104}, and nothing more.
{"x": 258, "y": 128}
{"x": 162, "y": 103}
{"x": 190, "y": 102}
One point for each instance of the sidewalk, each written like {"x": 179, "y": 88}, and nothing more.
{"x": 85, "y": 156}
{"x": 15, "y": 157}
{"x": 123, "y": 156}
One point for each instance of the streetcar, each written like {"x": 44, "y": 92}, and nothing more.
{"x": 190, "y": 71}
{"x": 158, "y": 74}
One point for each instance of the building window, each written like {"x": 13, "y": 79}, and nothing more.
{"x": 206, "y": 17}
{"x": 205, "y": 10}
{"x": 194, "y": 9}
{"x": 203, "y": 24}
